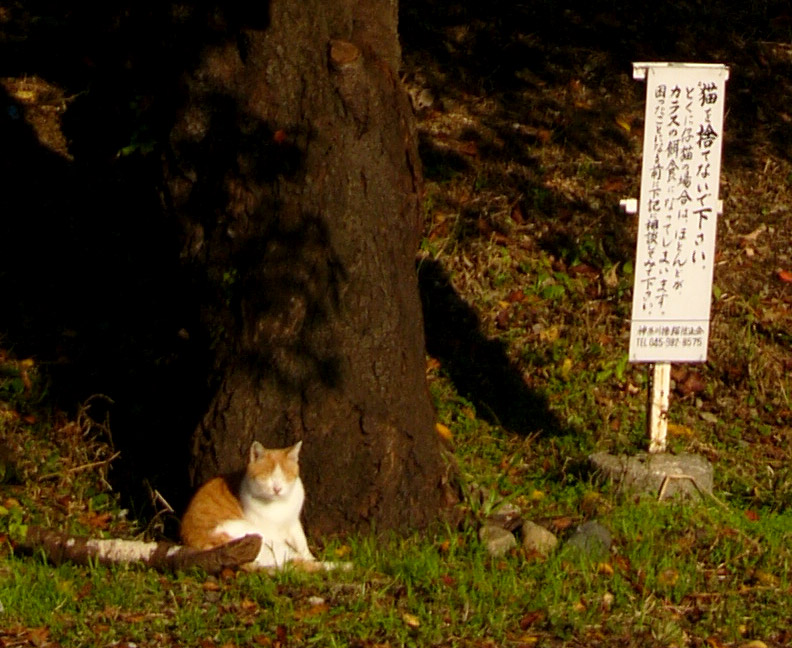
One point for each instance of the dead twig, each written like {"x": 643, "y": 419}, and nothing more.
{"x": 76, "y": 469}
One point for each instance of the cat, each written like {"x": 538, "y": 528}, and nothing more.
{"x": 265, "y": 500}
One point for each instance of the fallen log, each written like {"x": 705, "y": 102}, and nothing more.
{"x": 163, "y": 556}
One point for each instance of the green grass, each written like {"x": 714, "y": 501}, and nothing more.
{"x": 677, "y": 573}
{"x": 675, "y": 570}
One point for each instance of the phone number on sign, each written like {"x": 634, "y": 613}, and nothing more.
{"x": 656, "y": 342}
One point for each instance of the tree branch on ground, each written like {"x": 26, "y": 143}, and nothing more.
{"x": 163, "y": 556}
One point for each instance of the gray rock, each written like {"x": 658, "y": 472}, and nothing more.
{"x": 592, "y": 539}
{"x": 496, "y": 539}
{"x": 536, "y": 538}
{"x": 661, "y": 475}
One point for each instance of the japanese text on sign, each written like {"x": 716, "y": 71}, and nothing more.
{"x": 678, "y": 212}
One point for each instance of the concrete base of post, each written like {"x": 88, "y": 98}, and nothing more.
{"x": 660, "y": 475}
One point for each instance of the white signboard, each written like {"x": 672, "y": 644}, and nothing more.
{"x": 677, "y": 211}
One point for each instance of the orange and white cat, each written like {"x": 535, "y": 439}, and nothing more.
{"x": 265, "y": 500}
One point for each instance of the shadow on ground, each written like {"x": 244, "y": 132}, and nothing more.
{"x": 479, "y": 366}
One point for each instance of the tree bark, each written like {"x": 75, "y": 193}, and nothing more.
{"x": 294, "y": 173}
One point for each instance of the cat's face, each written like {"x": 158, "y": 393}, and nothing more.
{"x": 272, "y": 474}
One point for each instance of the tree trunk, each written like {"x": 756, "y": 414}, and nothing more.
{"x": 294, "y": 172}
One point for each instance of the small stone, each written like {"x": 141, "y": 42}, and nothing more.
{"x": 592, "y": 539}
{"x": 536, "y": 538}
{"x": 496, "y": 539}
{"x": 506, "y": 515}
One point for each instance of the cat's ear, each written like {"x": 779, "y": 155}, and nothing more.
{"x": 294, "y": 451}
{"x": 256, "y": 451}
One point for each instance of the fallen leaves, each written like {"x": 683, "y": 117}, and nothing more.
{"x": 21, "y": 636}
{"x": 96, "y": 520}
{"x": 784, "y": 275}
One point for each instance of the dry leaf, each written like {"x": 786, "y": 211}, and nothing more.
{"x": 411, "y": 620}
{"x": 550, "y": 334}
{"x": 502, "y": 319}
{"x": 751, "y": 238}
{"x": 668, "y": 577}
{"x": 784, "y": 275}
{"x": 566, "y": 368}
{"x": 680, "y": 430}
{"x": 606, "y": 569}
{"x": 96, "y": 520}
{"x": 529, "y": 619}
{"x": 444, "y": 431}
{"x": 561, "y": 523}
{"x": 28, "y": 384}
{"x": 314, "y": 610}
{"x": 614, "y": 185}
{"x": 583, "y": 270}
{"x": 692, "y": 384}
{"x": 606, "y": 603}
{"x": 38, "y": 636}
{"x": 624, "y": 122}
{"x": 517, "y": 214}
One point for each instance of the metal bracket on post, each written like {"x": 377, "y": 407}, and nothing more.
{"x": 628, "y": 206}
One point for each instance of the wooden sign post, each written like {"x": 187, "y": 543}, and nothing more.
{"x": 677, "y": 211}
